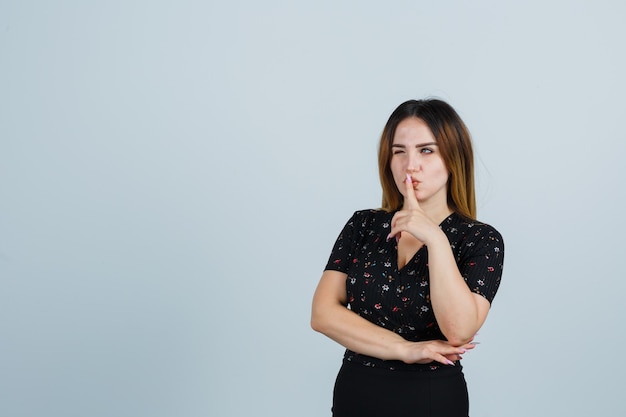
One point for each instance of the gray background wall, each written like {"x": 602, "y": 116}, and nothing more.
{"x": 174, "y": 174}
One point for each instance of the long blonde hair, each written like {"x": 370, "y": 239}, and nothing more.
{"x": 454, "y": 142}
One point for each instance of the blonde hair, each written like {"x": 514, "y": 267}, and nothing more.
{"x": 454, "y": 142}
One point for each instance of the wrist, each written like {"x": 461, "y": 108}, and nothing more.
{"x": 436, "y": 237}
{"x": 410, "y": 352}
{"x": 401, "y": 350}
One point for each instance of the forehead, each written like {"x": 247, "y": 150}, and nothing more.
{"x": 411, "y": 130}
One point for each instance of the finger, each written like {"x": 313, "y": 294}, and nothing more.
{"x": 411, "y": 199}
{"x": 455, "y": 352}
{"x": 442, "y": 359}
{"x": 469, "y": 346}
{"x": 391, "y": 235}
{"x": 448, "y": 358}
{"x": 394, "y": 231}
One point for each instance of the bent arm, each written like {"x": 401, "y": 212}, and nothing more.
{"x": 331, "y": 317}
{"x": 459, "y": 312}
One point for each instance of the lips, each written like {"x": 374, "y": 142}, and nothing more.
{"x": 414, "y": 182}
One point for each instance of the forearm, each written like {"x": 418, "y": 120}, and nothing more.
{"x": 356, "y": 333}
{"x": 331, "y": 317}
{"x": 455, "y": 307}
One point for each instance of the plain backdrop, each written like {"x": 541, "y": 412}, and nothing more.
{"x": 173, "y": 176}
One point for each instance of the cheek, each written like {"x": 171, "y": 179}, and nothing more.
{"x": 443, "y": 176}
{"x": 441, "y": 170}
{"x": 396, "y": 170}
{"x": 394, "y": 163}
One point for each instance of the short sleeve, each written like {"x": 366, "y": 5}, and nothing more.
{"x": 482, "y": 260}
{"x": 342, "y": 253}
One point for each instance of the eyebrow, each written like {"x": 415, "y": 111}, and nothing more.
{"x": 421, "y": 145}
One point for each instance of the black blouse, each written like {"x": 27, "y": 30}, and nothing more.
{"x": 398, "y": 299}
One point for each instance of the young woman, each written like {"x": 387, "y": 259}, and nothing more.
{"x": 407, "y": 287}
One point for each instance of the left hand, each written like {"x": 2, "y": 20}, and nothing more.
{"x": 412, "y": 219}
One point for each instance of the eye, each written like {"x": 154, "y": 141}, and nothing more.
{"x": 426, "y": 150}
{"x": 397, "y": 151}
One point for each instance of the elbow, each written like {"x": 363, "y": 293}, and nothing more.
{"x": 459, "y": 340}
{"x": 323, "y": 318}
{"x": 461, "y": 333}
{"x": 316, "y": 325}
{"x": 316, "y": 321}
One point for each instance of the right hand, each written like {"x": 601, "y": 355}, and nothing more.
{"x": 434, "y": 350}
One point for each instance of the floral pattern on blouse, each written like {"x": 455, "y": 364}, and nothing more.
{"x": 398, "y": 299}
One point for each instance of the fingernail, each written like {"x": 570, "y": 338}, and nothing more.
{"x": 388, "y": 237}
{"x": 408, "y": 178}
{"x": 450, "y": 362}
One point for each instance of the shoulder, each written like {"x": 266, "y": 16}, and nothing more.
{"x": 371, "y": 216}
{"x": 369, "y": 220}
{"x": 459, "y": 228}
{"x": 370, "y": 213}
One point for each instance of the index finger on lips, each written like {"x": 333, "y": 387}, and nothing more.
{"x": 410, "y": 192}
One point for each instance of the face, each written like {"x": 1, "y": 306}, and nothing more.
{"x": 415, "y": 152}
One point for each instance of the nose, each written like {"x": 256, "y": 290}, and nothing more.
{"x": 413, "y": 163}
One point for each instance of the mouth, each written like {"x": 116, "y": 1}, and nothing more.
{"x": 414, "y": 183}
